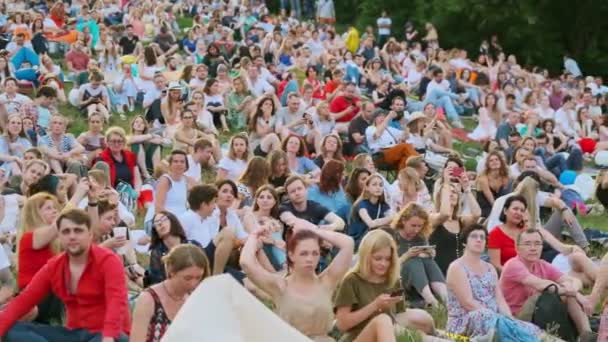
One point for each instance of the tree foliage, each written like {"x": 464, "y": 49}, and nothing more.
{"x": 538, "y": 32}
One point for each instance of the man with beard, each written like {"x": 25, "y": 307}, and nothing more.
{"x": 88, "y": 279}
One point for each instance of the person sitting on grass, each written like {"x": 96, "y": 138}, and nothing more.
{"x": 87, "y": 278}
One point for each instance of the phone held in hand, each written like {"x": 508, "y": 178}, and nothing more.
{"x": 457, "y": 172}
{"x": 396, "y": 292}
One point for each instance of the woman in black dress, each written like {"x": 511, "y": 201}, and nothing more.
{"x": 450, "y": 217}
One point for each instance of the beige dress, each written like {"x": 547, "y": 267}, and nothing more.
{"x": 312, "y": 315}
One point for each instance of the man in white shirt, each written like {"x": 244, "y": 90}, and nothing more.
{"x": 155, "y": 93}
{"x": 388, "y": 141}
{"x": 290, "y": 119}
{"x": 438, "y": 93}
{"x": 12, "y": 100}
{"x": 203, "y": 224}
{"x": 263, "y": 71}
{"x": 202, "y": 71}
{"x": 18, "y": 44}
{"x": 565, "y": 118}
{"x": 384, "y": 28}
{"x": 203, "y": 151}
{"x": 257, "y": 84}
{"x": 315, "y": 44}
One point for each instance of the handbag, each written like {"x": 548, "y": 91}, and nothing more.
{"x": 551, "y": 315}
{"x": 127, "y": 195}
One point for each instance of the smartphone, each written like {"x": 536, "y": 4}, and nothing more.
{"x": 423, "y": 248}
{"x": 457, "y": 172}
{"x": 396, "y": 292}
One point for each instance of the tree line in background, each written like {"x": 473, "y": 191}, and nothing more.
{"x": 538, "y": 32}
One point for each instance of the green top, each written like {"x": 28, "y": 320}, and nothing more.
{"x": 357, "y": 293}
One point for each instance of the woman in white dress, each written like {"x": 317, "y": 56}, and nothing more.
{"x": 489, "y": 119}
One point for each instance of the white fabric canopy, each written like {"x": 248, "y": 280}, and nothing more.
{"x": 220, "y": 309}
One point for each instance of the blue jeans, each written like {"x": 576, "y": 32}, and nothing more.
{"x": 556, "y": 164}
{"x": 575, "y": 159}
{"x": 440, "y": 98}
{"x": 34, "y": 332}
{"x": 570, "y": 197}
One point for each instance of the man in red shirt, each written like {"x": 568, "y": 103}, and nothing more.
{"x": 77, "y": 60}
{"x": 90, "y": 282}
{"x": 345, "y": 106}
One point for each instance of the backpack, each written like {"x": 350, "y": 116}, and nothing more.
{"x": 551, "y": 315}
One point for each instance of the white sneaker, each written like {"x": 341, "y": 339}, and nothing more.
{"x": 457, "y": 124}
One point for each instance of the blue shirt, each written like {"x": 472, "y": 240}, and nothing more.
{"x": 357, "y": 228}
{"x": 336, "y": 202}
{"x": 305, "y": 166}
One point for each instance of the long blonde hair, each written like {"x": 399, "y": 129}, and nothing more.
{"x": 365, "y": 195}
{"x": 30, "y": 215}
{"x": 528, "y": 188}
{"x": 372, "y": 242}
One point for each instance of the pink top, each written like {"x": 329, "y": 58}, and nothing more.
{"x": 514, "y": 271}
{"x": 139, "y": 29}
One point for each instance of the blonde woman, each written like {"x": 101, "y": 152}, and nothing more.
{"x": 239, "y": 103}
{"x": 233, "y": 164}
{"x": 419, "y": 270}
{"x": 13, "y": 145}
{"x": 367, "y": 302}
{"x": 454, "y": 195}
{"x": 409, "y": 189}
{"x": 36, "y": 245}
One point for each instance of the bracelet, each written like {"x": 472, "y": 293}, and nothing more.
{"x": 564, "y": 209}
{"x": 92, "y": 204}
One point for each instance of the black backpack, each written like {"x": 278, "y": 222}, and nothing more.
{"x": 551, "y": 315}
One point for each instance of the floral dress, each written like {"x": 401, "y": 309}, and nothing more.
{"x": 480, "y": 322}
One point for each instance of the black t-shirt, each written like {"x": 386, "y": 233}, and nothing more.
{"x": 424, "y": 82}
{"x": 357, "y": 125}
{"x": 277, "y": 181}
{"x": 128, "y": 44}
{"x": 123, "y": 172}
{"x": 154, "y": 112}
{"x": 314, "y": 213}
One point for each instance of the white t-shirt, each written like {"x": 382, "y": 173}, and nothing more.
{"x": 564, "y": 121}
{"x": 413, "y": 77}
{"x": 11, "y": 214}
{"x": 260, "y": 87}
{"x": 387, "y": 139}
{"x": 197, "y": 83}
{"x": 384, "y": 21}
{"x": 194, "y": 170}
{"x": 444, "y": 85}
{"x": 205, "y": 230}
{"x": 234, "y": 168}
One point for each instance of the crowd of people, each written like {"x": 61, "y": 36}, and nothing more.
{"x": 339, "y": 197}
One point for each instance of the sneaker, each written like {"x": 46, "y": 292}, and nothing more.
{"x": 457, "y": 124}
